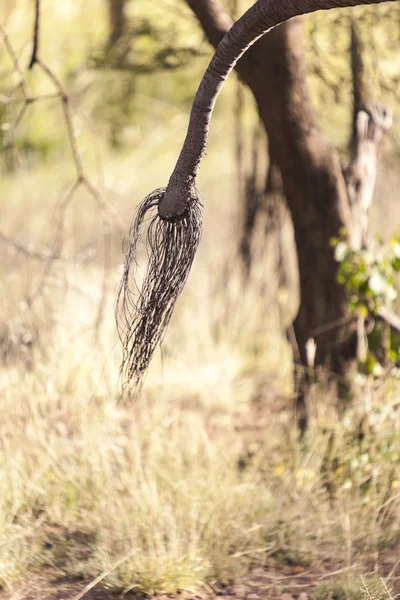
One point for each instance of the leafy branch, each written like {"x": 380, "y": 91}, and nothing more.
{"x": 369, "y": 278}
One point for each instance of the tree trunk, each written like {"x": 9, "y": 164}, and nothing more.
{"x": 116, "y": 12}
{"x": 313, "y": 184}
{"x": 371, "y": 123}
{"x": 316, "y": 195}
{"x": 360, "y": 96}
{"x": 274, "y": 69}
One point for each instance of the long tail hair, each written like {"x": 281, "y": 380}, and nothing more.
{"x": 143, "y": 314}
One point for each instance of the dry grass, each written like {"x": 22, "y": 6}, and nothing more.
{"x": 203, "y": 478}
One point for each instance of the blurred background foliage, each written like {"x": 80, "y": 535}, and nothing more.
{"x": 131, "y": 85}
{"x": 129, "y": 79}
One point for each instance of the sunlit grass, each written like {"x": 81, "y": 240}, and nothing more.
{"x": 181, "y": 490}
{"x": 203, "y": 477}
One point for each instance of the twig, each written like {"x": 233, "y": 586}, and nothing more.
{"x": 22, "y": 83}
{"x": 337, "y": 572}
{"x": 67, "y": 115}
{"x": 9, "y": 100}
{"x": 35, "y": 35}
{"x": 23, "y": 249}
{"x": 390, "y": 317}
{"x": 102, "y": 576}
{"x": 57, "y": 244}
{"x": 82, "y": 179}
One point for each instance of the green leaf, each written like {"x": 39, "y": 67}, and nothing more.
{"x": 371, "y": 366}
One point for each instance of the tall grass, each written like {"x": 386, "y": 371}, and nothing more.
{"x": 204, "y": 476}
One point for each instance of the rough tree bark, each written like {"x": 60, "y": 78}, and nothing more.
{"x": 274, "y": 70}
{"x": 371, "y": 123}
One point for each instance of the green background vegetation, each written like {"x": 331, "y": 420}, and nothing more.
{"x": 204, "y": 478}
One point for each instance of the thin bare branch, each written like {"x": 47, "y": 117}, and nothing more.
{"x": 82, "y": 178}
{"x": 35, "y": 35}
{"x": 41, "y": 256}
{"x": 22, "y": 83}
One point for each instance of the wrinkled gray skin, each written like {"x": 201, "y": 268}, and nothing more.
{"x": 258, "y": 20}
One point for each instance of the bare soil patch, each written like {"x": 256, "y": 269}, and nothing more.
{"x": 291, "y": 583}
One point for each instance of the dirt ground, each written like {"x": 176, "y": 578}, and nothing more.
{"x": 292, "y": 583}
